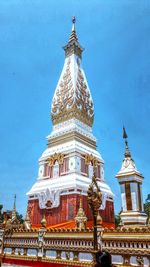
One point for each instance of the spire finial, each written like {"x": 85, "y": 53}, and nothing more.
{"x": 43, "y": 221}
{"x": 73, "y": 46}
{"x": 73, "y": 24}
{"x": 14, "y": 207}
{"x": 125, "y": 136}
{"x": 73, "y": 36}
{"x": 73, "y": 20}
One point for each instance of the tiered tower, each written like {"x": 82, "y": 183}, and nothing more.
{"x": 130, "y": 180}
{"x": 66, "y": 166}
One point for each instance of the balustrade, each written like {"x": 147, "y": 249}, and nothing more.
{"x": 75, "y": 256}
{"x": 58, "y": 254}
{"x": 56, "y": 245}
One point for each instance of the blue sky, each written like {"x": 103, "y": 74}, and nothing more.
{"x": 116, "y": 38}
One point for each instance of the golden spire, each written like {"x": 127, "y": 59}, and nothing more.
{"x": 81, "y": 218}
{"x": 81, "y": 211}
{"x": 73, "y": 46}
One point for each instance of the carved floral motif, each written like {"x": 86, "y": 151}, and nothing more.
{"x": 72, "y": 102}
{"x": 30, "y": 209}
{"x": 91, "y": 159}
{"x": 57, "y": 156}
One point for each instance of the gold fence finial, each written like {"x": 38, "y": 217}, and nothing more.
{"x": 81, "y": 218}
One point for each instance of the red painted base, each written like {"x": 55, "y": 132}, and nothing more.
{"x": 67, "y": 210}
{"x": 32, "y": 263}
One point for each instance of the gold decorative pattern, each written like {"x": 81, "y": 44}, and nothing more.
{"x": 94, "y": 196}
{"x": 43, "y": 221}
{"x": 70, "y": 102}
{"x": 57, "y": 156}
{"x": 95, "y": 200}
{"x": 91, "y": 159}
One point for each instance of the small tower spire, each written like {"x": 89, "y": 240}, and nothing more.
{"x": 14, "y": 207}
{"x": 14, "y": 215}
{"x": 130, "y": 180}
{"x": 125, "y": 136}
{"x": 27, "y": 223}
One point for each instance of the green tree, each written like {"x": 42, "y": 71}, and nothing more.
{"x": 117, "y": 219}
{"x": 147, "y": 208}
{"x": 20, "y": 217}
{"x": 1, "y": 215}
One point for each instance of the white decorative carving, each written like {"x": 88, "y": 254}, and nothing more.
{"x": 71, "y": 126}
{"x": 49, "y": 195}
{"x": 78, "y": 164}
{"x": 41, "y": 171}
{"x": 71, "y": 164}
{"x": 90, "y": 170}
{"x": 104, "y": 198}
{"x": 56, "y": 170}
{"x": 102, "y": 171}
{"x": 128, "y": 165}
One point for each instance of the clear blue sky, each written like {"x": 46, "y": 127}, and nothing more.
{"x": 116, "y": 60}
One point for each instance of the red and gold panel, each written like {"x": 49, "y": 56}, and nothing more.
{"x": 67, "y": 210}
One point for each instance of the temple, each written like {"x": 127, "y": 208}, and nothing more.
{"x": 67, "y": 165}
{"x": 70, "y": 213}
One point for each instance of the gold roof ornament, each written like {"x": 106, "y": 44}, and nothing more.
{"x": 14, "y": 219}
{"x": 72, "y": 97}
{"x": 89, "y": 158}
{"x": 27, "y": 223}
{"x": 55, "y": 157}
{"x": 43, "y": 221}
{"x": 81, "y": 218}
{"x": 14, "y": 215}
{"x": 11, "y": 222}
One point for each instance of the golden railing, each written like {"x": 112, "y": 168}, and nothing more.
{"x": 74, "y": 247}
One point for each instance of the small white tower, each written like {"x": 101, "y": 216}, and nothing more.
{"x": 130, "y": 180}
